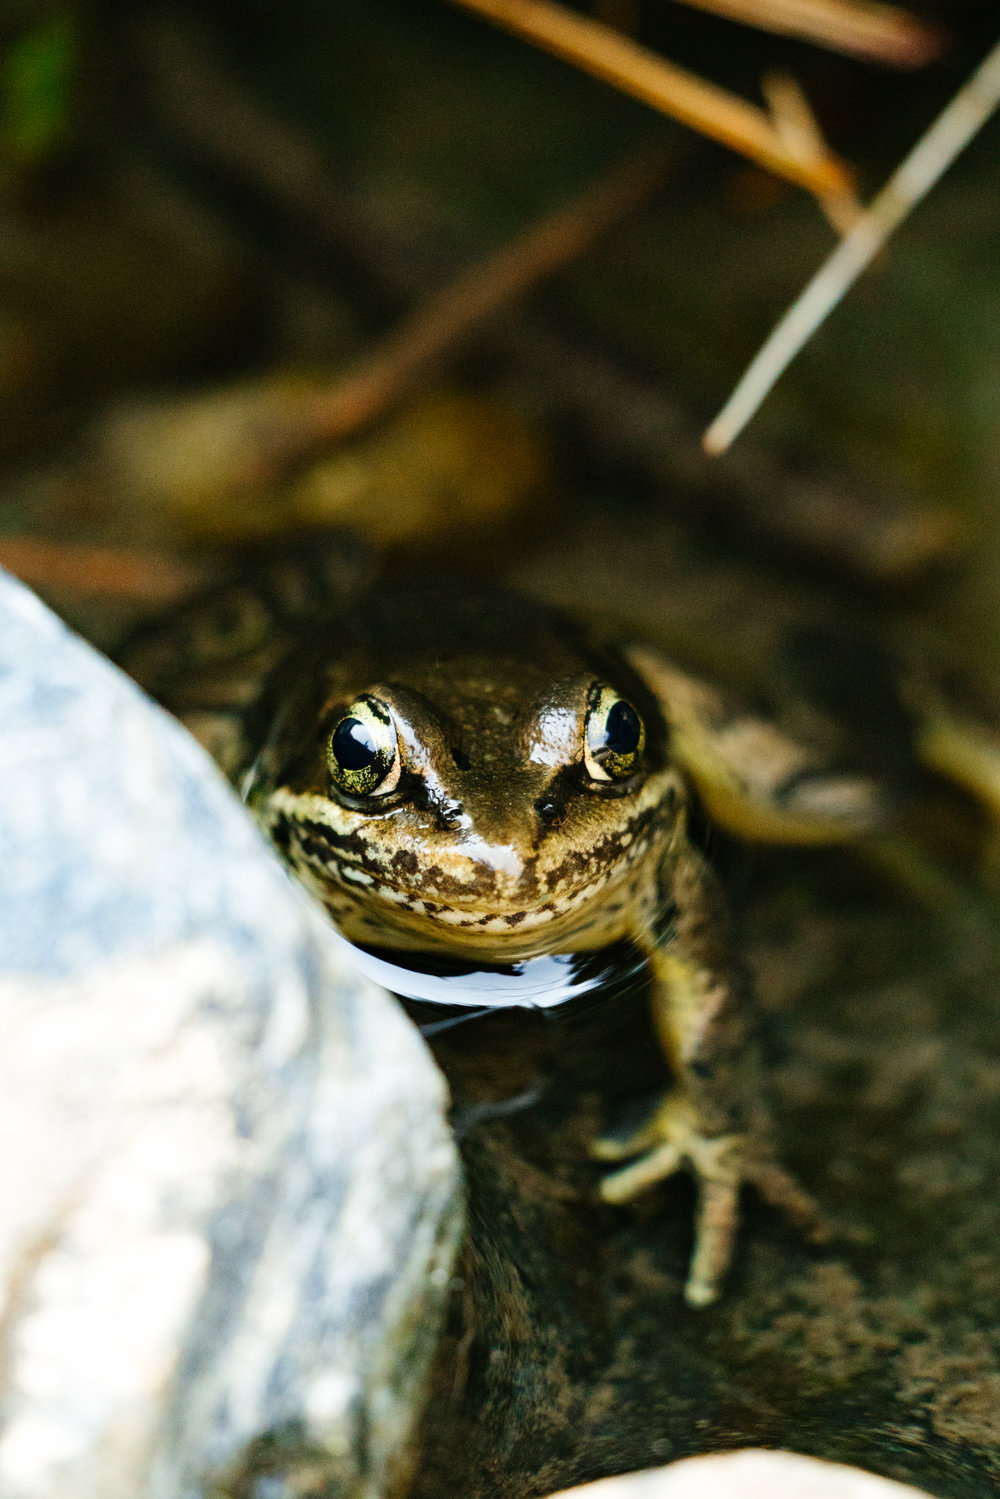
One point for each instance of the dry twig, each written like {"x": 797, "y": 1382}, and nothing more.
{"x": 797, "y": 125}
{"x": 197, "y": 452}
{"x": 635, "y": 70}
{"x": 958, "y": 122}
{"x": 444, "y": 322}
{"x": 882, "y": 33}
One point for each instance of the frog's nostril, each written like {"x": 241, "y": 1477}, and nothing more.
{"x": 551, "y": 809}
{"x": 460, "y": 758}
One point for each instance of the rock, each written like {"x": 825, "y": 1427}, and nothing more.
{"x": 573, "y": 1356}
{"x": 747, "y": 1475}
{"x": 230, "y": 1197}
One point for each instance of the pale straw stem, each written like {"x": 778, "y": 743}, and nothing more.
{"x": 960, "y": 120}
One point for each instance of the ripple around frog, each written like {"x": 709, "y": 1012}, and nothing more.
{"x": 572, "y": 997}
{"x": 541, "y": 983}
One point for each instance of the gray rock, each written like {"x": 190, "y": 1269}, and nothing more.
{"x": 230, "y": 1197}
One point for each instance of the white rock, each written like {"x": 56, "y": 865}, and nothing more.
{"x": 229, "y": 1194}
{"x": 752, "y": 1474}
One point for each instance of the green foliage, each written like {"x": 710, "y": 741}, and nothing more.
{"x": 37, "y": 74}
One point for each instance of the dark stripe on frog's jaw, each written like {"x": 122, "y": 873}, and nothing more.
{"x": 463, "y": 882}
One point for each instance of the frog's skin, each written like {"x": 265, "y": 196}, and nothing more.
{"x": 498, "y": 831}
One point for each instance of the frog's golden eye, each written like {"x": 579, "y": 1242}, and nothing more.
{"x": 362, "y": 753}
{"x": 613, "y": 737}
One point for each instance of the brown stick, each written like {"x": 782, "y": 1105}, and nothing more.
{"x": 795, "y": 122}
{"x": 105, "y": 572}
{"x": 445, "y": 321}
{"x": 248, "y": 438}
{"x": 617, "y": 60}
{"x": 881, "y": 33}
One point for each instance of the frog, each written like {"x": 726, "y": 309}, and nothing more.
{"x": 457, "y": 768}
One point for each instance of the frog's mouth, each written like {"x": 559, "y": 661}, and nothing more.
{"x": 466, "y": 885}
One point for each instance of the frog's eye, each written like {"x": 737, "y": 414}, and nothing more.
{"x": 362, "y": 753}
{"x": 613, "y": 737}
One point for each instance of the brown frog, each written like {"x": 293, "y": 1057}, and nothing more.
{"x": 461, "y": 770}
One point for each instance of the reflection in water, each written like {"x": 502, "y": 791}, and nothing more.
{"x": 432, "y": 1028}
{"x": 465, "y": 1119}
{"x": 566, "y": 1018}
{"x": 535, "y": 983}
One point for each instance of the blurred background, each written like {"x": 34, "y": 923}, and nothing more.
{"x": 236, "y": 241}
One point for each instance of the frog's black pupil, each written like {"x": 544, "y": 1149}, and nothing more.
{"x": 622, "y": 729}
{"x": 353, "y": 744}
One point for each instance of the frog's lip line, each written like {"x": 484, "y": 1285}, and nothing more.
{"x": 464, "y": 922}
{"x": 452, "y": 909}
{"x": 548, "y": 903}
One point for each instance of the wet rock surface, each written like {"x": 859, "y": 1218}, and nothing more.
{"x": 568, "y": 1353}
{"x": 571, "y": 1354}
{"x": 230, "y": 1199}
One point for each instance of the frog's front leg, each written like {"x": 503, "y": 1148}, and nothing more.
{"x": 713, "y": 1122}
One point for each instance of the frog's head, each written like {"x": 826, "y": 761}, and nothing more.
{"x": 465, "y": 767}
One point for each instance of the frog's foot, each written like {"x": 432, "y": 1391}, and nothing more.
{"x": 671, "y": 1140}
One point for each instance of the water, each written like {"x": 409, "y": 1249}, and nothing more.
{"x": 589, "y": 1006}
{"x": 540, "y": 983}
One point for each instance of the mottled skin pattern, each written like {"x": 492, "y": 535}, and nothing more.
{"x": 497, "y": 842}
